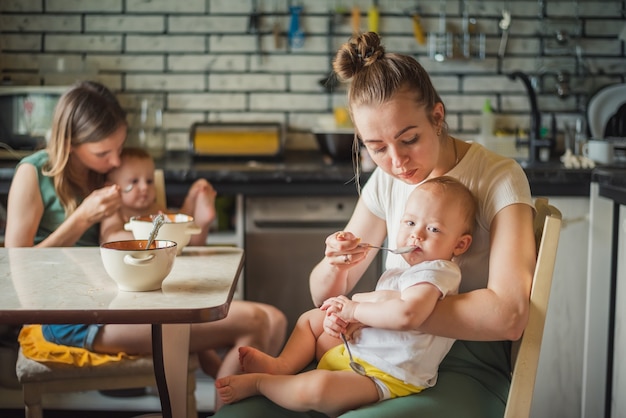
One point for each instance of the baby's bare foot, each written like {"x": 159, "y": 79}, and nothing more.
{"x": 256, "y": 361}
{"x": 237, "y": 387}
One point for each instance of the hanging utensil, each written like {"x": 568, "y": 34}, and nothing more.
{"x": 418, "y": 32}
{"x": 373, "y": 17}
{"x": 504, "y": 25}
{"x": 276, "y": 31}
{"x": 296, "y": 34}
{"x": 254, "y": 27}
{"x": 356, "y": 20}
{"x": 330, "y": 82}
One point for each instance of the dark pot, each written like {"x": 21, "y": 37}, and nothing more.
{"x": 337, "y": 145}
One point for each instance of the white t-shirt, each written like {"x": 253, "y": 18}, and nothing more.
{"x": 410, "y": 356}
{"x": 495, "y": 181}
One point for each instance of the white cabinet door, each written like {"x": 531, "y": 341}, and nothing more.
{"x": 618, "y": 404}
{"x": 559, "y": 378}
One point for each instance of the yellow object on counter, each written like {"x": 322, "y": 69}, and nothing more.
{"x": 36, "y": 347}
{"x": 236, "y": 140}
{"x": 342, "y": 118}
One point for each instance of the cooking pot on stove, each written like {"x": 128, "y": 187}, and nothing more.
{"x": 337, "y": 144}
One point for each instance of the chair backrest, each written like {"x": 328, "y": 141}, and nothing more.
{"x": 525, "y": 353}
{"x": 159, "y": 183}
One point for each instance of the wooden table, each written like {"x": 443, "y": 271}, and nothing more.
{"x": 70, "y": 286}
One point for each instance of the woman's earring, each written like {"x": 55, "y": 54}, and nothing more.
{"x": 439, "y": 131}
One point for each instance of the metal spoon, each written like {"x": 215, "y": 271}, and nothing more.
{"x": 128, "y": 188}
{"x": 358, "y": 368}
{"x": 156, "y": 222}
{"x": 400, "y": 250}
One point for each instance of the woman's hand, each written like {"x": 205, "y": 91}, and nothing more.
{"x": 339, "y": 315}
{"x": 100, "y": 204}
{"x": 343, "y": 251}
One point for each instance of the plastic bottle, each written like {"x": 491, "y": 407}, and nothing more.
{"x": 486, "y": 123}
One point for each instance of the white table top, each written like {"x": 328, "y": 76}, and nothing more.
{"x": 70, "y": 285}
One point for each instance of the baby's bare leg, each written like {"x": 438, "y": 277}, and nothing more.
{"x": 300, "y": 350}
{"x": 321, "y": 390}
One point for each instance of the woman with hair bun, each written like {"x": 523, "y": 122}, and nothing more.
{"x": 400, "y": 118}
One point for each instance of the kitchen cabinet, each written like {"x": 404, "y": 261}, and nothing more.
{"x": 604, "y": 371}
{"x": 559, "y": 376}
{"x": 618, "y": 400}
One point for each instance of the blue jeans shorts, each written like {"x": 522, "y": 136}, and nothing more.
{"x": 81, "y": 336}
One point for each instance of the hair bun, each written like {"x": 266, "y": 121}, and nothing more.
{"x": 359, "y": 52}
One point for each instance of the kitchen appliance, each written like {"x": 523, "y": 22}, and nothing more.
{"x": 26, "y": 118}
{"x": 602, "y": 106}
{"x": 236, "y": 140}
{"x": 284, "y": 240}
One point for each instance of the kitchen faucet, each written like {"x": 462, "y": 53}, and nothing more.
{"x": 534, "y": 141}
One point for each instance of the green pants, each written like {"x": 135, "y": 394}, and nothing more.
{"x": 473, "y": 382}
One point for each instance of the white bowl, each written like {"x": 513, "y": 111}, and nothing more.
{"x": 178, "y": 227}
{"x": 136, "y": 269}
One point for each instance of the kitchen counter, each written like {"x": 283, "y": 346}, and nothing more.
{"x": 612, "y": 183}
{"x": 309, "y": 173}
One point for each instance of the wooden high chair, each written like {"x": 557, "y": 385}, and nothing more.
{"x": 525, "y": 353}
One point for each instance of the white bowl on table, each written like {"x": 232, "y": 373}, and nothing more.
{"x": 177, "y": 227}
{"x": 135, "y": 268}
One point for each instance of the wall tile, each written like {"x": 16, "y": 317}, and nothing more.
{"x": 199, "y": 59}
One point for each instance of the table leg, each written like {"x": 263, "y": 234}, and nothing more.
{"x": 170, "y": 346}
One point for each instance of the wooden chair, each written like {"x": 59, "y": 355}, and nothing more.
{"x": 525, "y": 353}
{"x": 38, "y": 379}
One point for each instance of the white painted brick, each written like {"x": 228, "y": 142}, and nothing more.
{"x": 604, "y": 27}
{"x": 127, "y": 62}
{"x": 247, "y": 82}
{"x": 287, "y": 102}
{"x": 122, "y": 23}
{"x": 307, "y": 83}
{"x": 247, "y": 117}
{"x": 67, "y": 79}
{"x": 206, "y": 101}
{"x": 10, "y": 42}
{"x": 167, "y": 6}
{"x": 83, "y": 43}
{"x": 17, "y": 61}
{"x": 232, "y": 43}
{"x": 206, "y": 62}
{"x": 476, "y": 84}
{"x": 601, "y": 46}
{"x": 208, "y": 24}
{"x": 163, "y": 43}
{"x": 177, "y": 141}
{"x": 21, "y": 6}
{"x": 181, "y": 120}
{"x": 39, "y": 23}
{"x": 78, "y": 6}
{"x": 165, "y": 82}
{"x": 293, "y": 63}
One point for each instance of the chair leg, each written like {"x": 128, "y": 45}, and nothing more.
{"x": 33, "y": 407}
{"x": 192, "y": 408}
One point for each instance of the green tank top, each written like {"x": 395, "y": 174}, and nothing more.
{"x": 53, "y": 212}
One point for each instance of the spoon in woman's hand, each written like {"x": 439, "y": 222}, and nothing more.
{"x": 128, "y": 188}
{"x": 353, "y": 364}
{"x": 399, "y": 250}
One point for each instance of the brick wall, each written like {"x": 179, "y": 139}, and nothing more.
{"x": 198, "y": 60}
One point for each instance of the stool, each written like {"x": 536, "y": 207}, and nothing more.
{"x": 39, "y": 378}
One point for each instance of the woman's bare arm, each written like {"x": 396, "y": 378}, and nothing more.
{"x": 500, "y": 311}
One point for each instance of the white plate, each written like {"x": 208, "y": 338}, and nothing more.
{"x": 602, "y": 106}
